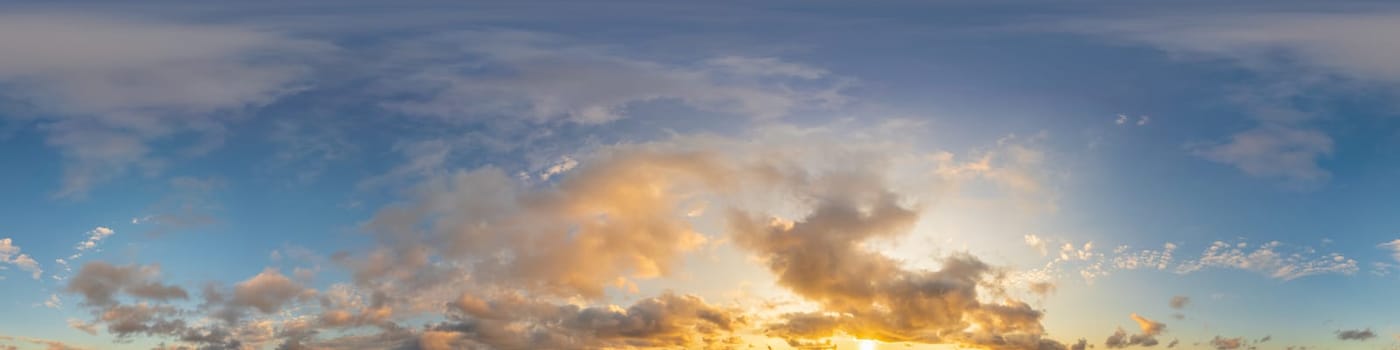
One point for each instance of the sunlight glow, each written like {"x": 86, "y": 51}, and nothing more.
{"x": 867, "y": 345}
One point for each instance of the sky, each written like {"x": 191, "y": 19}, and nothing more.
{"x": 1004, "y": 175}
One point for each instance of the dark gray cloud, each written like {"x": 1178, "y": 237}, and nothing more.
{"x": 1356, "y": 334}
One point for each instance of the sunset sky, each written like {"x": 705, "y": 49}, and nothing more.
{"x": 1006, "y": 175}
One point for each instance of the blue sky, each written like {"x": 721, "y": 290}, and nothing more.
{"x": 629, "y": 174}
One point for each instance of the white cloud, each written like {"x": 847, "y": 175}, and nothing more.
{"x": 564, "y": 164}
{"x": 10, "y": 254}
{"x": 104, "y": 88}
{"x": 1394, "y": 247}
{"x": 1037, "y": 243}
{"x": 94, "y": 236}
{"x": 1271, "y": 260}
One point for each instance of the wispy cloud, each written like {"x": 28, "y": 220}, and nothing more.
{"x": 492, "y": 74}
{"x": 104, "y": 88}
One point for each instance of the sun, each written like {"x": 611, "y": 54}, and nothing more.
{"x": 866, "y": 344}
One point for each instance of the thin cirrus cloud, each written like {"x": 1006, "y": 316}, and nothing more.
{"x": 81, "y": 79}
{"x": 486, "y": 75}
{"x": 1297, "y": 51}
{"x": 103, "y": 89}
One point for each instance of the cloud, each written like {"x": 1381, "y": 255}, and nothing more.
{"x": 1272, "y": 41}
{"x": 130, "y": 301}
{"x": 485, "y": 259}
{"x": 1273, "y": 259}
{"x": 101, "y": 284}
{"x": 97, "y": 234}
{"x": 103, "y": 89}
{"x": 189, "y": 204}
{"x": 1042, "y": 288}
{"x": 46, "y": 343}
{"x": 1274, "y": 151}
{"x": 668, "y": 320}
{"x": 268, "y": 291}
{"x": 1356, "y": 334}
{"x": 1179, "y": 302}
{"x": 1394, "y": 247}
{"x": 624, "y": 214}
{"x": 1148, "y": 326}
{"x": 1226, "y": 343}
{"x": 595, "y": 221}
{"x": 1270, "y": 260}
{"x": 1148, "y": 337}
{"x": 820, "y": 257}
{"x": 1124, "y": 120}
{"x": 94, "y": 236}
{"x": 542, "y": 78}
{"x": 1037, "y": 243}
{"x": 10, "y": 254}
{"x": 89, "y": 328}
{"x": 1298, "y": 62}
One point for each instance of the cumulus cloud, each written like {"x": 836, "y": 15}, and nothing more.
{"x": 1080, "y": 345}
{"x": 268, "y": 291}
{"x": 1147, "y": 337}
{"x": 101, "y": 284}
{"x": 1356, "y": 334}
{"x": 1037, "y": 243}
{"x": 10, "y": 254}
{"x": 624, "y": 214}
{"x": 130, "y": 301}
{"x": 596, "y": 222}
{"x": 668, "y": 320}
{"x": 104, "y": 88}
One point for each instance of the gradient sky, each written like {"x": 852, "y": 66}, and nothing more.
{"x": 665, "y": 174}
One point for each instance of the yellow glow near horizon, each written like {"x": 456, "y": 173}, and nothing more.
{"x": 867, "y": 345}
